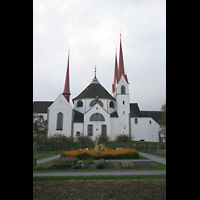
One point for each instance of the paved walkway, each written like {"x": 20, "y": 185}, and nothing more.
{"x": 94, "y": 173}
{"x": 108, "y": 173}
{"x": 47, "y": 159}
{"x": 154, "y": 158}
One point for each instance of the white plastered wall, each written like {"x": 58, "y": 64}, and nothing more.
{"x": 96, "y": 124}
{"x": 63, "y": 106}
{"x": 143, "y": 130}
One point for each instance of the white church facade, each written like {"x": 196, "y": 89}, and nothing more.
{"x": 96, "y": 112}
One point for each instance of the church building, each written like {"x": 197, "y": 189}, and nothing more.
{"x": 97, "y": 112}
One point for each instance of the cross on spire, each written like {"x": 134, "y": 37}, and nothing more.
{"x": 95, "y": 80}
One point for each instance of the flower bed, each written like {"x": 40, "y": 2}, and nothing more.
{"x": 109, "y": 154}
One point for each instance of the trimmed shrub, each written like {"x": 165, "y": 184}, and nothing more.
{"x": 84, "y": 156}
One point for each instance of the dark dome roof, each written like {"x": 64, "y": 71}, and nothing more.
{"x": 92, "y": 91}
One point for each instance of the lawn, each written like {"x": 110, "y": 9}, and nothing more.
{"x": 155, "y": 153}
{"x": 100, "y": 189}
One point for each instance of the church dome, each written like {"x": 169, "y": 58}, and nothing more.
{"x": 92, "y": 91}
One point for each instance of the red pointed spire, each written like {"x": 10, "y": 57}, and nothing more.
{"x": 66, "y": 91}
{"x": 115, "y": 73}
{"x": 121, "y": 64}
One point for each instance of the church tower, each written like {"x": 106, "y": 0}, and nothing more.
{"x": 66, "y": 91}
{"x": 114, "y": 85}
{"x": 122, "y": 96}
{"x": 60, "y": 111}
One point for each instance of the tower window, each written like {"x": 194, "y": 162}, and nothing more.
{"x": 123, "y": 89}
{"x": 149, "y": 121}
{"x": 136, "y": 120}
{"x": 79, "y": 103}
{"x": 123, "y": 102}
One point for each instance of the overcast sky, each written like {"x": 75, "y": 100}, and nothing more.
{"x": 92, "y": 30}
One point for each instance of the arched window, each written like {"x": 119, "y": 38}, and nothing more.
{"x": 77, "y": 134}
{"x": 59, "y": 121}
{"x": 112, "y": 105}
{"x": 79, "y": 103}
{"x": 123, "y": 89}
{"x": 93, "y": 102}
{"x": 90, "y": 130}
{"x": 97, "y": 117}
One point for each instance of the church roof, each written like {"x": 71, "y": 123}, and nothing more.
{"x": 156, "y": 115}
{"x": 135, "y": 112}
{"x": 78, "y": 117}
{"x": 92, "y": 91}
{"x": 41, "y": 106}
{"x": 114, "y": 114}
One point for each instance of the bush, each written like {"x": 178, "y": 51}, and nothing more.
{"x": 102, "y": 139}
{"x": 87, "y": 163}
{"x": 83, "y": 165}
{"x": 45, "y": 165}
{"x": 65, "y": 162}
{"x": 123, "y": 138}
{"x": 78, "y": 166}
{"x": 84, "y": 156}
{"x": 128, "y": 165}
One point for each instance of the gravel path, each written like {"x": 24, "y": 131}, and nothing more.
{"x": 142, "y": 172}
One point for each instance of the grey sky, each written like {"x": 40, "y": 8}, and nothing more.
{"x": 92, "y": 30}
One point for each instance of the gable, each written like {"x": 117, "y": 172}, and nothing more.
{"x": 60, "y": 103}
{"x": 97, "y": 109}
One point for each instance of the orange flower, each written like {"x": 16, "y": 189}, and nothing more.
{"x": 93, "y": 152}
